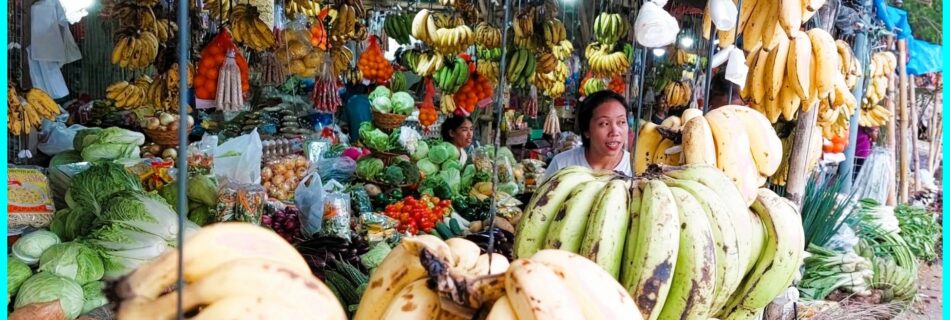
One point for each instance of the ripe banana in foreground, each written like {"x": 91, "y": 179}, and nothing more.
{"x": 607, "y": 227}
{"x": 570, "y": 223}
{"x": 537, "y": 292}
{"x": 733, "y": 151}
{"x": 694, "y": 279}
{"x": 651, "y": 248}
{"x": 699, "y": 147}
{"x": 415, "y": 301}
{"x": 765, "y": 145}
{"x": 773, "y": 273}
{"x": 593, "y": 289}
{"x": 647, "y": 141}
{"x": 533, "y": 227}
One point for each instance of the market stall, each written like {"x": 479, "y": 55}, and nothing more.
{"x": 388, "y": 159}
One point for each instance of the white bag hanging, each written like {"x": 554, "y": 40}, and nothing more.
{"x": 722, "y": 56}
{"x": 736, "y": 70}
{"x": 723, "y": 14}
{"x": 655, "y": 27}
{"x": 659, "y": 3}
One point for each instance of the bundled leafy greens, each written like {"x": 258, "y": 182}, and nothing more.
{"x": 93, "y": 296}
{"x": 920, "y": 230}
{"x": 85, "y": 137}
{"x": 138, "y": 211}
{"x": 110, "y": 151}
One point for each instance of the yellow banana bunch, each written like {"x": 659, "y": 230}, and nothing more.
{"x": 603, "y": 62}
{"x": 341, "y": 59}
{"x": 488, "y": 70}
{"x": 429, "y": 63}
{"x": 677, "y": 93}
{"x": 680, "y": 57}
{"x": 882, "y": 65}
{"x": 25, "y": 114}
{"x": 344, "y": 25}
{"x": 308, "y": 8}
{"x": 554, "y": 32}
{"x": 128, "y": 95}
{"x": 523, "y": 23}
{"x": 562, "y": 50}
{"x": 135, "y": 50}
{"x": 165, "y": 30}
{"x": 248, "y": 28}
{"x": 874, "y": 117}
{"x": 134, "y": 15}
{"x": 551, "y": 84}
{"x": 487, "y": 36}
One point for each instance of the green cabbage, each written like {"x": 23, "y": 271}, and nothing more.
{"x": 124, "y": 249}
{"x": 202, "y": 189}
{"x": 72, "y": 260}
{"x": 89, "y": 188}
{"x": 394, "y": 175}
{"x": 422, "y": 149}
{"x": 79, "y": 222}
{"x": 374, "y": 138}
{"x": 380, "y": 91}
{"x": 382, "y": 104}
{"x": 29, "y": 247}
{"x": 427, "y": 167}
{"x": 443, "y": 151}
{"x": 452, "y": 163}
{"x": 201, "y": 215}
{"x": 369, "y": 167}
{"x": 110, "y": 151}
{"x": 403, "y": 103}
{"x": 468, "y": 178}
{"x": 17, "y": 273}
{"x": 85, "y": 137}
{"x": 46, "y": 287}
{"x": 58, "y": 224}
{"x": 67, "y": 157}
{"x": 453, "y": 178}
{"x": 93, "y": 296}
{"x": 137, "y": 211}
{"x": 116, "y": 135}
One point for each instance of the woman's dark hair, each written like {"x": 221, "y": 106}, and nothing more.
{"x": 585, "y": 111}
{"x": 451, "y": 124}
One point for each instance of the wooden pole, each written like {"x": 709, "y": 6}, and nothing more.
{"x": 891, "y": 138}
{"x": 912, "y": 134}
{"x": 935, "y": 128}
{"x": 798, "y": 160}
{"x": 904, "y": 166}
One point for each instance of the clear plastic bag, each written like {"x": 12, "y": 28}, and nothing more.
{"x": 655, "y": 27}
{"x": 336, "y": 216}
{"x": 60, "y": 138}
{"x": 241, "y": 202}
{"x": 875, "y": 176}
{"x": 29, "y": 203}
{"x": 309, "y": 198}
{"x": 724, "y": 14}
{"x": 340, "y": 169}
{"x": 238, "y": 160}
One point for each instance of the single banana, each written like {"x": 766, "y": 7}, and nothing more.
{"x": 570, "y": 223}
{"x": 647, "y": 141}
{"x": 650, "y": 252}
{"x": 537, "y": 292}
{"x": 733, "y": 153}
{"x": 765, "y": 144}
{"x": 533, "y": 226}
{"x": 597, "y": 293}
{"x": 699, "y": 147}
{"x": 415, "y": 301}
{"x": 694, "y": 280}
{"x": 607, "y": 227}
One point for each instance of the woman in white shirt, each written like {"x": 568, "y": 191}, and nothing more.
{"x": 458, "y": 131}
{"x": 602, "y": 120}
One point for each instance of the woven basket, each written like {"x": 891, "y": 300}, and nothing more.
{"x": 387, "y": 121}
{"x": 168, "y": 138}
{"x": 387, "y": 157}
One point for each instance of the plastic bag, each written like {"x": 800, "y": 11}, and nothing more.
{"x": 361, "y": 201}
{"x": 212, "y": 57}
{"x": 737, "y": 70}
{"x": 336, "y": 214}
{"x": 875, "y": 176}
{"x": 239, "y": 160}
{"x": 201, "y": 155}
{"x": 340, "y": 169}
{"x": 60, "y": 138}
{"x": 309, "y": 198}
{"x": 29, "y": 203}
{"x": 241, "y": 202}
{"x": 295, "y": 52}
{"x": 723, "y": 14}
{"x": 655, "y": 27}
{"x": 722, "y": 56}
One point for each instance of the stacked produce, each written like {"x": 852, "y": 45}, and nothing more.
{"x": 25, "y": 114}
{"x": 461, "y": 280}
{"x": 448, "y": 35}
{"x": 321, "y": 253}
{"x": 202, "y": 194}
{"x": 872, "y": 113}
{"x": 373, "y": 64}
{"x": 476, "y": 89}
{"x": 398, "y": 26}
{"x": 605, "y": 56}
{"x": 325, "y": 94}
{"x": 129, "y": 95}
{"x": 163, "y": 92}
{"x": 280, "y": 177}
{"x": 295, "y": 53}
{"x": 111, "y": 143}
{"x": 690, "y": 224}
{"x": 449, "y": 79}
{"x": 420, "y": 215}
{"x": 348, "y": 24}
{"x": 827, "y": 271}
{"x": 488, "y": 50}
{"x": 213, "y": 57}
{"x": 248, "y": 28}
{"x": 732, "y": 138}
{"x": 230, "y": 279}
{"x": 764, "y": 23}
{"x": 677, "y": 94}
{"x": 591, "y": 85}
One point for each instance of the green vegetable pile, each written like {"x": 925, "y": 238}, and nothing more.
{"x": 383, "y": 100}
{"x": 827, "y": 270}
{"x": 400, "y": 172}
{"x": 202, "y": 197}
{"x": 920, "y": 230}
{"x": 95, "y": 144}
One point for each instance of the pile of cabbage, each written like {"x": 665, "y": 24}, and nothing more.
{"x": 110, "y": 228}
{"x": 385, "y": 101}
{"x": 95, "y": 144}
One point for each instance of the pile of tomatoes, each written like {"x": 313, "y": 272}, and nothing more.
{"x": 836, "y": 144}
{"x": 418, "y": 215}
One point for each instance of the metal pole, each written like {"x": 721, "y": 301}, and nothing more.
{"x": 861, "y": 52}
{"x": 709, "y": 54}
{"x": 636, "y": 121}
{"x": 183, "y": 32}
{"x": 737, "y": 41}
{"x": 499, "y": 110}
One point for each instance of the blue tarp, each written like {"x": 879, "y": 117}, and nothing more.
{"x": 925, "y": 57}
{"x": 894, "y": 19}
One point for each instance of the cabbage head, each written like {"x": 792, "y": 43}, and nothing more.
{"x": 202, "y": 189}
{"x": 116, "y": 135}
{"x": 403, "y": 103}
{"x": 443, "y": 151}
{"x": 383, "y": 104}
{"x": 91, "y": 187}
{"x": 453, "y": 178}
{"x": 427, "y": 167}
{"x": 110, "y": 151}
{"x": 72, "y": 260}
{"x": 374, "y": 138}
{"x": 124, "y": 249}
{"x": 141, "y": 212}
{"x": 369, "y": 167}
{"x": 17, "y": 273}
{"x": 468, "y": 178}
{"x": 422, "y": 150}
{"x": 93, "y": 296}
{"x": 452, "y": 163}
{"x": 85, "y": 137}
{"x": 29, "y": 247}
{"x": 380, "y": 91}
{"x": 46, "y": 287}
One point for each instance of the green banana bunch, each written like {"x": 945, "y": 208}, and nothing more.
{"x": 610, "y": 28}
{"x": 452, "y": 76}
{"x": 522, "y": 65}
{"x": 397, "y": 27}
{"x": 398, "y": 82}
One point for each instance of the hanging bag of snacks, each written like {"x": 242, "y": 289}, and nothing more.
{"x": 326, "y": 90}
{"x": 295, "y": 52}
{"x": 213, "y": 57}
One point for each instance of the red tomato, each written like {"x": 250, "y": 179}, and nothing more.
{"x": 413, "y": 229}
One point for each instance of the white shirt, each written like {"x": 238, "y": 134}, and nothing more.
{"x": 576, "y": 157}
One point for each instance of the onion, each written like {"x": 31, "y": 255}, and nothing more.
{"x": 152, "y": 123}
{"x": 302, "y": 163}
{"x": 285, "y": 187}
{"x": 278, "y": 179}
{"x": 170, "y": 153}
{"x": 190, "y": 121}
{"x": 267, "y": 173}
{"x": 165, "y": 119}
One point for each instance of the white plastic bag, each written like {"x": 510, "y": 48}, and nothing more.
{"x": 723, "y": 14}
{"x": 655, "y": 27}
{"x": 659, "y": 3}
{"x": 722, "y": 56}
{"x": 309, "y": 197}
{"x": 736, "y": 70}
{"x": 60, "y": 138}
{"x": 239, "y": 160}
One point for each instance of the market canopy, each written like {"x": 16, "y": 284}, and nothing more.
{"x": 925, "y": 57}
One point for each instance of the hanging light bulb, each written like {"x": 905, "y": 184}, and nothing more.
{"x": 75, "y": 9}
{"x": 686, "y": 41}
{"x": 659, "y": 52}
